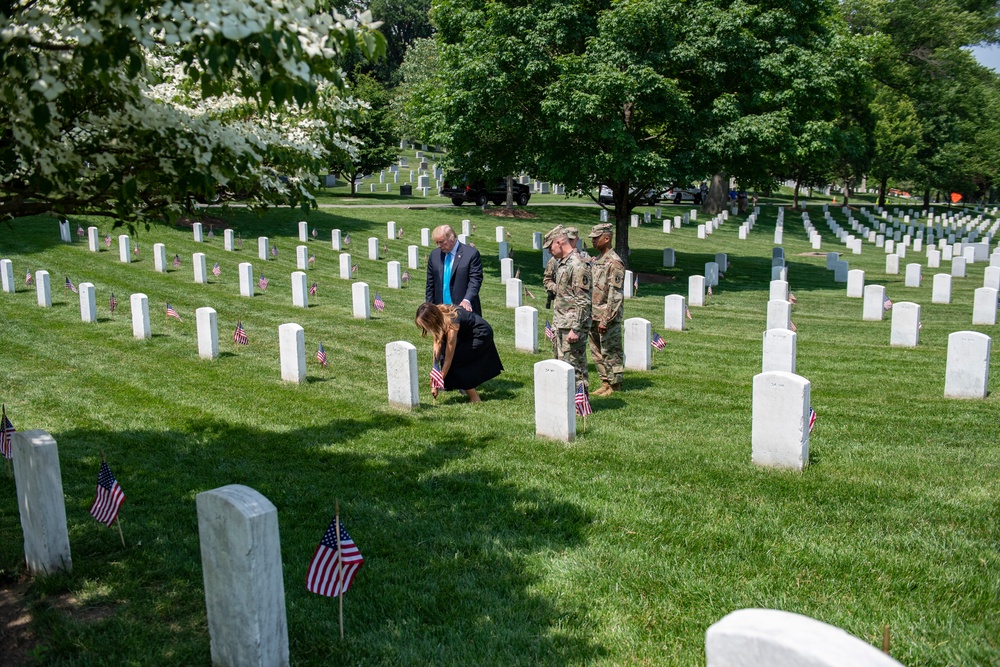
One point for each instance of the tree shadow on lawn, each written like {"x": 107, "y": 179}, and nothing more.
{"x": 451, "y": 548}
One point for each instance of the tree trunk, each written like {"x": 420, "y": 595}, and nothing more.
{"x": 718, "y": 194}
{"x": 847, "y": 192}
{"x": 510, "y": 193}
{"x": 927, "y": 198}
{"x": 795, "y": 197}
{"x": 882, "y": 185}
{"x": 354, "y": 184}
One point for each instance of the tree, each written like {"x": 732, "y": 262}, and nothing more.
{"x": 129, "y": 112}
{"x": 373, "y": 139}
{"x": 897, "y": 136}
{"x": 403, "y": 23}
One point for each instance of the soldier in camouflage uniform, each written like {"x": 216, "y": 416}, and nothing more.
{"x": 571, "y": 316}
{"x": 549, "y": 276}
{"x": 608, "y": 273}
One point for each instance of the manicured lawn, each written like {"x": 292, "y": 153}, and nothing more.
{"x": 483, "y": 544}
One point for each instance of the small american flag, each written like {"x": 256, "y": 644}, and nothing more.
{"x": 211, "y": 233}
{"x": 399, "y": 234}
{"x": 635, "y": 286}
{"x": 379, "y": 303}
{"x": 312, "y": 259}
{"x": 173, "y": 313}
{"x": 687, "y": 313}
{"x": 791, "y": 326}
{"x": 332, "y": 570}
{"x": 262, "y": 283}
{"x": 887, "y": 304}
{"x": 527, "y": 292}
{"x": 437, "y": 379}
{"x": 177, "y": 261}
{"x": 657, "y": 341}
{"x": 517, "y": 274}
{"x": 112, "y": 303}
{"x": 550, "y": 333}
{"x": 107, "y": 240}
{"x": 321, "y": 355}
{"x": 6, "y": 431}
{"x": 791, "y": 298}
{"x": 217, "y": 270}
{"x": 385, "y": 248}
{"x": 274, "y": 251}
{"x": 109, "y": 496}
{"x": 354, "y": 269}
{"x": 312, "y": 289}
{"x": 28, "y": 280}
{"x": 406, "y": 277}
{"x": 347, "y": 239}
{"x": 582, "y": 401}
{"x": 70, "y": 285}
{"x": 79, "y": 231}
{"x": 135, "y": 250}
{"x": 812, "y": 418}
{"x": 710, "y": 290}
{"x": 239, "y": 240}
{"x": 507, "y": 235}
{"x": 240, "y": 335}
{"x": 315, "y": 232}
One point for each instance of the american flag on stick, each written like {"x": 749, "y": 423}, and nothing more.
{"x": 710, "y": 290}
{"x": 107, "y": 240}
{"x": 399, "y": 234}
{"x": 437, "y": 379}
{"x": 312, "y": 289}
{"x": 582, "y": 401}
{"x": 109, "y": 496}
{"x": 135, "y": 250}
{"x": 240, "y": 335}
{"x": 312, "y": 259}
{"x": 635, "y": 286}
{"x": 791, "y": 298}
{"x": 177, "y": 261}
{"x": 217, "y": 270}
{"x": 812, "y": 418}
{"x": 887, "y": 304}
{"x": 687, "y": 313}
{"x": 791, "y": 326}
{"x": 239, "y": 241}
{"x": 657, "y": 341}
{"x": 262, "y": 283}
{"x": 379, "y": 303}
{"x": 70, "y": 285}
{"x": 7, "y": 430}
{"x": 347, "y": 239}
{"x": 274, "y": 251}
{"x": 112, "y": 303}
{"x": 354, "y": 269}
{"x": 211, "y": 233}
{"x": 527, "y": 292}
{"x": 550, "y": 333}
{"x": 335, "y": 562}
{"x": 321, "y": 355}
{"x": 79, "y": 231}
{"x": 28, "y": 280}
{"x": 315, "y": 232}
{"x": 173, "y": 313}
{"x": 406, "y": 277}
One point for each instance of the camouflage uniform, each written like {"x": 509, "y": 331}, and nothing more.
{"x": 549, "y": 276}
{"x": 608, "y": 273}
{"x": 572, "y": 313}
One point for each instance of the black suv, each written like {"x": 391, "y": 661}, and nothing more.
{"x": 477, "y": 193}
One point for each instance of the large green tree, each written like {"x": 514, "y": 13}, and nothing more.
{"x": 132, "y": 110}
{"x": 372, "y": 142}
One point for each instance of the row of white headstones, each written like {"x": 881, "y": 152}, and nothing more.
{"x": 243, "y": 576}
{"x": 237, "y": 511}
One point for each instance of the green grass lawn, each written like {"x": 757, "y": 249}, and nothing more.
{"x": 483, "y": 544}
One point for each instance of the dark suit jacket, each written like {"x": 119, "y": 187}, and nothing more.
{"x": 466, "y": 277}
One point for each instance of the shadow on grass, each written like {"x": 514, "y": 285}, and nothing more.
{"x": 452, "y": 549}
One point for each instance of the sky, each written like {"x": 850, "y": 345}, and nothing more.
{"x": 988, "y": 56}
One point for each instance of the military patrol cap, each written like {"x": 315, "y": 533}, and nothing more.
{"x": 572, "y": 233}
{"x": 601, "y": 230}
{"x": 552, "y": 235}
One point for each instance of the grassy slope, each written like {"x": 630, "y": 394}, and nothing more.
{"x": 483, "y": 544}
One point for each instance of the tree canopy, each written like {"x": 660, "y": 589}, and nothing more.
{"x": 133, "y": 109}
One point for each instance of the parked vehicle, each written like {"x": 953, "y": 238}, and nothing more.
{"x": 477, "y": 193}
{"x": 679, "y": 195}
{"x": 606, "y": 196}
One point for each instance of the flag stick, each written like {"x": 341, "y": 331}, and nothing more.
{"x": 885, "y": 640}
{"x": 10, "y": 472}
{"x": 119, "y": 522}
{"x": 340, "y": 565}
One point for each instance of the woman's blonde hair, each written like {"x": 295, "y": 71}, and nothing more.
{"x": 436, "y": 319}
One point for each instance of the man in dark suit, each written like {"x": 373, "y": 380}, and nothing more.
{"x": 454, "y": 272}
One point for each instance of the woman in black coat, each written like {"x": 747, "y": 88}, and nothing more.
{"x": 463, "y": 345}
